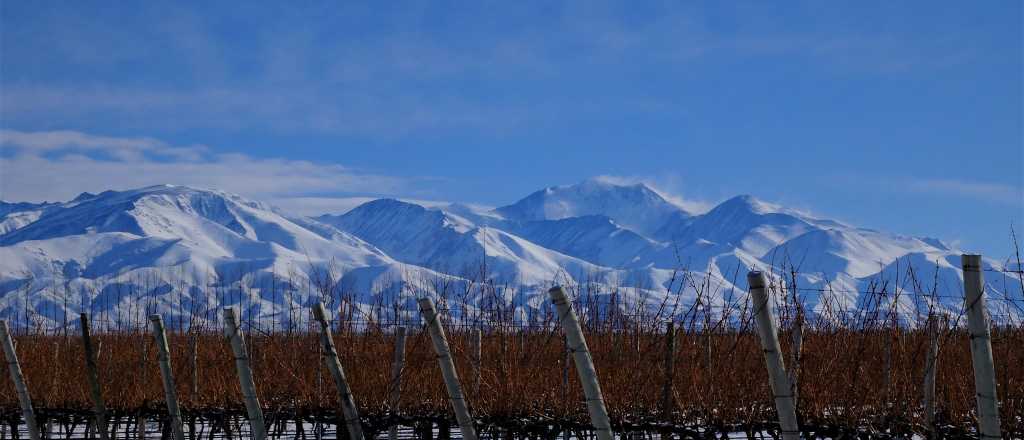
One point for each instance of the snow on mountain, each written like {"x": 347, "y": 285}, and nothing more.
{"x": 594, "y": 238}
{"x": 17, "y": 215}
{"x": 209, "y": 223}
{"x": 636, "y": 206}
{"x": 212, "y": 248}
{"x": 160, "y": 238}
{"x": 746, "y": 223}
{"x": 855, "y": 252}
{"x": 441, "y": 240}
{"x": 409, "y": 232}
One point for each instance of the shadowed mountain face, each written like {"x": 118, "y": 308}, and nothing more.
{"x": 198, "y": 244}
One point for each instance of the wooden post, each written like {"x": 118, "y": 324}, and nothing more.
{"x": 566, "y": 353}
{"x": 92, "y": 375}
{"x": 780, "y": 385}
{"x": 193, "y": 353}
{"x": 19, "y": 381}
{"x": 451, "y": 377}
{"x": 584, "y": 363}
{"x": 522, "y": 342}
{"x": 617, "y": 342}
{"x": 930, "y": 368}
{"x": 475, "y": 358}
{"x": 981, "y": 347}
{"x": 670, "y": 368}
{"x": 252, "y": 403}
{"x": 170, "y": 392}
{"x": 887, "y": 365}
{"x": 396, "y": 378}
{"x": 796, "y": 355}
{"x": 349, "y": 411}
{"x": 140, "y": 427}
{"x": 566, "y": 358}
{"x": 636, "y": 338}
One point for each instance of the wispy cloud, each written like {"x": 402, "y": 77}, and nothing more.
{"x": 57, "y": 165}
{"x": 287, "y": 78}
{"x": 988, "y": 191}
{"x": 669, "y": 187}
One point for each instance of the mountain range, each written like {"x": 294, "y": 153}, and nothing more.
{"x": 178, "y": 250}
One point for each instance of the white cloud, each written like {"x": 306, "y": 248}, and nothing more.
{"x": 58, "y": 165}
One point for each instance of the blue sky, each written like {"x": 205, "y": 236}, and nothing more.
{"x": 900, "y": 116}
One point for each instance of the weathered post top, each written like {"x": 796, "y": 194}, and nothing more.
{"x": 426, "y": 305}
{"x": 557, "y": 295}
{"x": 971, "y": 262}
{"x": 755, "y": 279}
{"x": 319, "y": 312}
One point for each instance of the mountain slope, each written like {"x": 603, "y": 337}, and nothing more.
{"x": 443, "y": 241}
{"x": 594, "y": 238}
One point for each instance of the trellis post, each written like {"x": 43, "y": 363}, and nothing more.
{"x": 796, "y": 354}
{"x": 92, "y": 375}
{"x": 252, "y": 403}
{"x": 584, "y": 363}
{"x": 19, "y": 381}
{"x": 451, "y": 377}
{"x": 930, "y": 368}
{"x": 475, "y": 358}
{"x": 780, "y": 385}
{"x": 981, "y": 347}
{"x": 396, "y": 378}
{"x": 670, "y": 368}
{"x": 349, "y": 411}
{"x": 170, "y": 392}
{"x": 193, "y": 354}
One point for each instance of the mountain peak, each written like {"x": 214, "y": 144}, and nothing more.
{"x": 750, "y": 203}
{"x": 634, "y": 206}
{"x": 608, "y": 183}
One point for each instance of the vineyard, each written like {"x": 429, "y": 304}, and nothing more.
{"x": 667, "y": 370}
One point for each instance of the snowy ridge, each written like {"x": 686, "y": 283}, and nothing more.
{"x": 178, "y": 245}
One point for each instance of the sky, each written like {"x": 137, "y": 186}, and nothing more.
{"x": 899, "y": 116}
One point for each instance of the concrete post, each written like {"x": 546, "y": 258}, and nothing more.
{"x": 92, "y": 375}
{"x": 170, "y": 392}
{"x": 584, "y": 363}
{"x": 396, "y": 377}
{"x": 19, "y": 381}
{"x": 451, "y": 377}
{"x": 781, "y": 389}
{"x": 252, "y": 403}
{"x": 981, "y": 347}
{"x": 349, "y": 411}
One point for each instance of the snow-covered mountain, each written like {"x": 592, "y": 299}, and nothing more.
{"x": 635, "y": 206}
{"x": 186, "y": 252}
